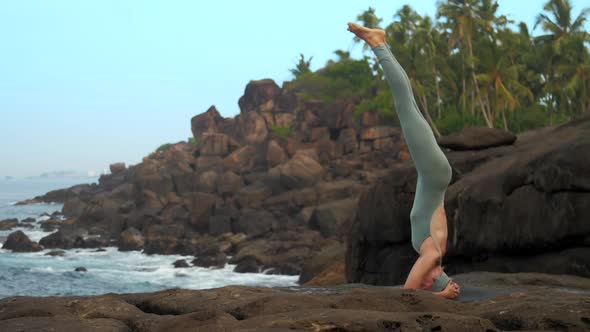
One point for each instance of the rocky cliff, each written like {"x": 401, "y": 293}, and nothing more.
{"x": 520, "y": 207}
{"x": 271, "y": 187}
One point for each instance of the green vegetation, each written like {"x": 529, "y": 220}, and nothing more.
{"x": 163, "y": 147}
{"x": 192, "y": 140}
{"x": 468, "y": 67}
{"x": 282, "y": 132}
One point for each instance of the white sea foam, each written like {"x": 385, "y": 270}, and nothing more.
{"x": 111, "y": 270}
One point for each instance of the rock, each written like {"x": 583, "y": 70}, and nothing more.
{"x": 58, "y": 239}
{"x": 131, "y": 239}
{"x": 207, "y": 162}
{"x": 322, "y": 260}
{"x": 219, "y": 225}
{"x": 206, "y": 122}
{"x": 180, "y": 263}
{"x": 283, "y": 251}
{"x": 7, "y": 224}
{"x": 51, "y": 224}
{"x": 334, "y": 219}
{"x": 334, "y": 274}
{"x": 20, "y": 242}
{"x": 318, "y": 134}
{"x": 472, "y": 138}
{"x": 217, "y": 261}
{"x": 284, "y": 119}
{"x": 290, "y": 202}
{"x": 201, "y": 207}
{"x": 492, "y": 302}
{"x": 259, "y": 95}
{"x": 62, "y": 195}
{"x": 60, "y": 253}
{"x": 27, "y": 220}
{"x": 251, "y": 128}
{"x": 377, "y": 132}
{"x": 242, "y": 160}
{"x": 254, "y": 222}
{"x": 81, "y": 269}
{"x": 167, "y": 240}
{"x": 328, "y": 191}
{"x": 386, "y": 144}
{"x": 493, "y": 211}
{"x": 253, "y": 195}
{"x": 216, "y": 144}
{"x": 74, "y": 207}
{"x": 117, "y": 168}
{"x": 247, "y": 265}
{"x": 207, "y": 182}
{"x": 348, "y": 141}
{"x": 301, "y": 171}
{"x": 229, "y": 183}
{"x": 275, "y": 155}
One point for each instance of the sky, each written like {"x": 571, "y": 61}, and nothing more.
{"x": 84, "y": 84}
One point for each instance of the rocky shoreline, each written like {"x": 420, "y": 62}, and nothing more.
{"x": 302, "y": 187}
{"x": 489, "y": 302}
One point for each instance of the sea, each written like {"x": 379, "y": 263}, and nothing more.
{"x": 38, "y": 274}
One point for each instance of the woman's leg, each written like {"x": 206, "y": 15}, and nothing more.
{"x": 434, "y": 171}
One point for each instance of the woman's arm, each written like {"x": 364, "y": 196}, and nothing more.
{"x": 421, "y": 268}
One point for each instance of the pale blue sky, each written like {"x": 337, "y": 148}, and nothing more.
{"x": 87, "y": 83}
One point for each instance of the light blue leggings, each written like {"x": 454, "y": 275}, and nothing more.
{"x": 434, "y": 171}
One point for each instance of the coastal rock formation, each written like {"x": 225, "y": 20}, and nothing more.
{"x": 7, "y": 224}
{"x": 490, "y": 302}
{"x": 516, "y": 208}
{"x": 20, "y": 242}
{"x": 285, "y": 174}
{"x": 286, "y": 177}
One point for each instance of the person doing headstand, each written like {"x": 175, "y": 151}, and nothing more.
{"x": 427, "y": 217}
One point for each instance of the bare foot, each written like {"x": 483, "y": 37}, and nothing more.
{"x": 452, "y": 290}
{"x": 373, "y": 37}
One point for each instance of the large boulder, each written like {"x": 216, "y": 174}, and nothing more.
{"x": 207, "y": 181}
{"x": 117, "y": 168}
{"x": 284, "y": 252}
{"x": 275, "y": 154}
{"x": 473, "y": 138}
{"x": 167, "y": 240}
{"x": 229, "y": 183}
{"x": 214, "y": 144}
{"x": 7, "y": 224}
{"x": 242, "y": 160}
{"x": 206, "y": 122}
{"x": 253, "y": 195}
{"x": 201, "y": 206}
{"x": 526, "y": 203}
{"x": 131, "y": 239}
{"x": 303, "y": 170}
{"x": 20, "y": 242}
{"x": 334, "y": 219}
{"x": 254, "y": 222}
{"x": 259, "y": 95}
{"x": 251, "y": 128}
{"x": 321, "y": 260}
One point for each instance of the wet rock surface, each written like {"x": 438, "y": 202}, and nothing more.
{"x": 489, "y": 302}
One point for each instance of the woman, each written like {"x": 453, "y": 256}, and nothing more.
{"x": 428, "y": 218}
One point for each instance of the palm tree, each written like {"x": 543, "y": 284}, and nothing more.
{"x": 563, "y": 48}
{"x": 302, "y": 67}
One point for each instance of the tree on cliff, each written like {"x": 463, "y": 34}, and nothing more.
{"x": 470, "y": 68}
